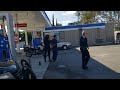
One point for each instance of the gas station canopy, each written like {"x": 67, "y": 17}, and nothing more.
{"x": 34, "y": 19}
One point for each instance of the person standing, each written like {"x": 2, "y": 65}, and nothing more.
{"x": 47, "y": 47}
{"x": 84, "y": 50}
{"x": 54, "y": 48}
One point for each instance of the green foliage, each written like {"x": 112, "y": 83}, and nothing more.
{"x": 22, "y": 36}
{"x": 117, "y": 28}
{"x": 74, "y": 23}
{"x": 86, "y": 16}
{"x": 29, "y": 37}
{"x": 94, "y": 16}
{"x": 59, "y": 24}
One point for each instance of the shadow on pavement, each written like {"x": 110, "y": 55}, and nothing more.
{"x": 68, "y": 66}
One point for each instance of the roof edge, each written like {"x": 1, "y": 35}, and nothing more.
{"x": 75, "y": 26}
{"x": 46, "y": 17}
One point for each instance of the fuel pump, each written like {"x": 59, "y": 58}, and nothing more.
{"x": 36, "y": 39}
{"x": 4, "y": 44}
{"x": 7, "y": 36}
{"x": 7, "y": 61}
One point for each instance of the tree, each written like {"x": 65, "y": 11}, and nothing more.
{"x": 29, "y": 37}
{"x": 78, "y": 14}
{"x": 86, "y": 16}
{"x": 58, "y": 24}
{"x": 74, "y": 23}
{"x": 98, "y": 16}
{"x": 69, "y": 24}
{"x": 117, "y": 28}
{"x": 22, "y": 36}
{"x": 53, "y": 20}
{"x": 111, "y": 16}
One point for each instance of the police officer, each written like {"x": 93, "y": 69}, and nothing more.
{"x": 84, "y": 50}
{"x": 47, "y": 47}
{"x": 54, "y": 48}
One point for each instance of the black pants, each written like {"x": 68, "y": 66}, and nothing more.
{"x": 47, "y": 52}
{"x": 85, "y": 56}
{"x": 55, "y": 52}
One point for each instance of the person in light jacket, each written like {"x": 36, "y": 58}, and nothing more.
{"x": 84, "y": 50}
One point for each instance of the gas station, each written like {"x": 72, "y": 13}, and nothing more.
{"x": 29, "y": 21}
{"x": 10, "y": 24}
{"x": 37, "y": 22}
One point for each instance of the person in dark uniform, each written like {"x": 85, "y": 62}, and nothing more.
{"x": 84, "y": 50}
{"x": 54, "y": 48}
{"x": 47, "y": 47}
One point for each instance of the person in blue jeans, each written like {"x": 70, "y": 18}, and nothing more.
{"x": 84, "y": 50}
{"x": 54, "y": 48}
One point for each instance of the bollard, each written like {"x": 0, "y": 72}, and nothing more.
{"x": 39, "y": 63}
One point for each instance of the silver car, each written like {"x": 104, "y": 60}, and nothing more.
{"x": 64, "y": 45}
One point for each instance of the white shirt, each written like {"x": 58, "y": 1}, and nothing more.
{"x": 83, "y": 36}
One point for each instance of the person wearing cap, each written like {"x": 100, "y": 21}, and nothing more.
{"x": 47, "y": 47}
{"x": 54, "y": 48}
{"x": 84, "y": 50}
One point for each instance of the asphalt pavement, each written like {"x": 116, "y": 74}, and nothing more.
{"x": 103, "y": 64}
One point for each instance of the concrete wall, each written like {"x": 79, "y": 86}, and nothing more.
{"x": 110, "y": 32}
{"x": 117, "y": 39}
{"x": 100, "y": 35}
{"x": 74, "y": 36}
{"x": 94, "y": 35}
{"x": 70, "y": 36}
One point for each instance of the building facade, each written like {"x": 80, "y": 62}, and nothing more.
{"x": 96, "y": 33}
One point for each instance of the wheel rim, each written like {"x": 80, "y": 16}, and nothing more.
{"x": 64, "y": 47}
{"x": 28, "y": 54}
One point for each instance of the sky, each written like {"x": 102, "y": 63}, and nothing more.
{"x": 63, "y": 17}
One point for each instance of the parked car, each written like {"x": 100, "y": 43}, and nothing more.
{"x": 64, "y": 45}
{"x": 61, "y": 45}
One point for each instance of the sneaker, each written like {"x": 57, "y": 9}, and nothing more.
{"x": 50, "y": 60}
{"x": 85, "y": 67}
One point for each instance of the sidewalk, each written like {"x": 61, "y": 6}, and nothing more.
{"x": 39, "y": 70}
{"x": 103, "y": 64}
